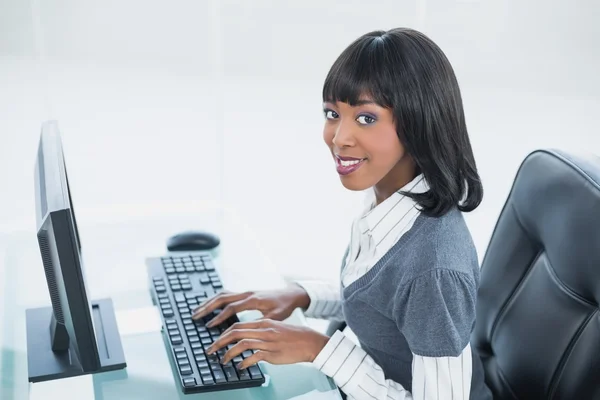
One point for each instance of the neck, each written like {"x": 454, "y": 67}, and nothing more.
{"x": 398, "y": 177}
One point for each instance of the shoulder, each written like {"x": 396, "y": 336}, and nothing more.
{"x": 441, "y": 243}
{"x": 436, "y": 311}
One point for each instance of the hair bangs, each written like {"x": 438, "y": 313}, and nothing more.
{"x": 360, "y": 73}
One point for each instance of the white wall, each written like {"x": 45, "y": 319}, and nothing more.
{"x": 164, "y": 104}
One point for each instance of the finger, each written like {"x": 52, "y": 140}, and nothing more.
{"x": 217, "y": 302}
{"x": 246, "y": 304}
{"x": 238, "y": 335}
{"x": 243, "y": 345}
{"x": 254, "y": 358}
{"x": 248, "y": 325}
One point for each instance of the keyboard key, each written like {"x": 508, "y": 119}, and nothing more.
{"x": 217, "y": 285}
{"x": 179, "y": 350}
{"x": 181, "y": 356}
{"x": 186, "y": 315}
{"x": 219, "y": 375}
{"x": 199, "y": 353}
{"x": 170, "y": 270}
{"x": 183, "y": 362}
{"x": 255, "y": 372}
{"x": 247, "y": 353}
{"x": 179, "y": 269}
{"x": 186, "y": 286}
{"x": 206, "y": 342}
{"x": 161, "y": 288}
{"x": 176, "y": 288}
{"x": 194, "y": 339}
{"x": 201, "y": 361}
{"x": 163, "y": 296}
{"x": 221, "y": 353}
{"x": 196, "y": 346}
{"x": 190, "y": 296}
{"x": 237, "y": 360}
{"x": 207, "y": 379}
{"x": 189, "y": 382}
{"x": 199, "y": 268}
{"x": 204, "y": 370}
{"x": 244, "y": 375}
{"x": 204, "y": 279}
{"x": 190, "y": 268}
{"x": 230, "y": 373}
{"x": 179, "y": 297}
{"x": 209, "y": 266}
{"x": 176, "y": 339}
{"x": 185, "y": 370}
{"x": 164, "y": 301}
{"x": 168, "y": 313}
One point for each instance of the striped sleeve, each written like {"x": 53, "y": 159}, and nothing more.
{"x": 325, "y": 300}
{"x": 359, "y": 376}
{"x": 442, "y": 378}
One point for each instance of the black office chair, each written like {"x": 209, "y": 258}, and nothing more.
{"x": 538, "y": 319}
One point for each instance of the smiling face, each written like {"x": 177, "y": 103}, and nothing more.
{"x": 366, "y": 148}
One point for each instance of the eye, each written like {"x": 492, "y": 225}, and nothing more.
{"x": 365, "y": 119}
{"x": 330, "y": 114}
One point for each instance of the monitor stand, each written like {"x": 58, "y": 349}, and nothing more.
{"x": 45, "y": 364}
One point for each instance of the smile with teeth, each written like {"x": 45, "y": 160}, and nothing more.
{"x": 346, "y": 167}
{"x": 349, "y": 163}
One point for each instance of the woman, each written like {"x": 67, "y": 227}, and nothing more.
{"x": 394, "y": 123}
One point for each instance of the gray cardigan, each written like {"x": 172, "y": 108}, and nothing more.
{"x": 419, "y": 298}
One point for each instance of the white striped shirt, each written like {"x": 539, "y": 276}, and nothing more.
{"x": 374, "y": 232}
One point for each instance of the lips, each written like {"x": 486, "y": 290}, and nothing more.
{"x": 347, "y": 165}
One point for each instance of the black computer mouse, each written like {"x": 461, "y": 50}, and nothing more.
{"x": 193, "y": 241}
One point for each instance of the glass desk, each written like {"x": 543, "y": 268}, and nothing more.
{"x": 114, "y": 255}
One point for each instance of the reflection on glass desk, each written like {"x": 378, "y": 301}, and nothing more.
{"x": 114, "y": 260}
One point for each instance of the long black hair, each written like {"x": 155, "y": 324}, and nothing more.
{"x": 403, "y": 70}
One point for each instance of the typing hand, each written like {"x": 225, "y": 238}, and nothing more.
{"x": 277, "y": 305}
{"x": 277, "y": 342}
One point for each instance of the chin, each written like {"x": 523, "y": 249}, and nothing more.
{"x": 356, "y": 185}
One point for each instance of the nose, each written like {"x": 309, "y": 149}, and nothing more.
{"x": 343, "y": 137}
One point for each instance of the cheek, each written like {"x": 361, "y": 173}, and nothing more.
{"x": 328, "y": 136}
{"x": 387, "y": 151}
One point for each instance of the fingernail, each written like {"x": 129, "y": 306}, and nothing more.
{"x": 210, "y": 323}
{"x": 239, "y": 366}
{"x": 209, "y": 350}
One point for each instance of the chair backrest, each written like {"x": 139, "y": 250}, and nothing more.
{"x": 538, "y": 319}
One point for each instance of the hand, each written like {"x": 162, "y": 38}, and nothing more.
{"x": 277, "y": 305}
{"x": 279, "y": 343}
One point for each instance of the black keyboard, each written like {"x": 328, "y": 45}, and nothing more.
{"x": 178, "y": 285}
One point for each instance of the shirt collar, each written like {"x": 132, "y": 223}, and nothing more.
{"x": 395, "y": 206}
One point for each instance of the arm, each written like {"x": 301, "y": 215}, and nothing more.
{"x": 359, "y": 376}
{"x": 435, "y": 313}
{"x": 325, "y": 300}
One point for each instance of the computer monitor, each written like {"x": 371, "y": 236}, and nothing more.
{"x": 75, "y": 336}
